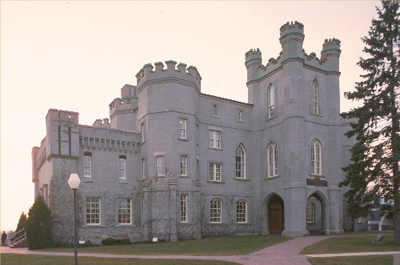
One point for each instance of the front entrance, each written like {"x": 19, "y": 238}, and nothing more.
{"x": 276, "y": 215}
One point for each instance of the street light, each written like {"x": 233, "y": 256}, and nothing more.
{"x": 74, "y": 182}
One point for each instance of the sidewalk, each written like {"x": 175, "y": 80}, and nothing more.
{"x": 286, "y": 253}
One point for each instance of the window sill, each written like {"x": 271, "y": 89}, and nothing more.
{"x": 215, "y": 148}
{"x": 242, "y": 223}
{"x": 216, "y": 181}
{"x": 215, "y": 223}
{"x": 271, "y": 118}
{"x": 273, "y": 177}
{"x": 214, "y": 116}
{"x": 184, "y": 223}
{"x": 93, "y": 226}
{"x": 244, "y": 179}
{"x": 142, "y": 143}
{"x": 317, "y": 176}
{"x": 184, "y": 177}
{"x": 316, "y": 114}
{"x": 183, "y": 139}
{"x": 123, "y": 225}
{"x": 241, "y": 121}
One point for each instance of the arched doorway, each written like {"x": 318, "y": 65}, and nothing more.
{"x": 315, "y": 214}
{"x": 276, "y": 215}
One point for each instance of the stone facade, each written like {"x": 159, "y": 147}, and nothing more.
{"x": 174, "y": 163}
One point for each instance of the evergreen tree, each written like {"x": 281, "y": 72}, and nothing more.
{"x": 374, "y": 169}
{"x": 21, "y": 222}
{"x": 39, "y": 226}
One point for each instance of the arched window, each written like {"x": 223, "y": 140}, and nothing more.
{"x": 315, "y": 98}
{"x": 215, "y": 211}
{"x": 241, "y": 211}
{"x": 316, "y": 158}
{"x": 310, "y": 212}
{"x": 240, "y": 162}
{"x": 272, "y": 160}
{"x": 271, "y": 101}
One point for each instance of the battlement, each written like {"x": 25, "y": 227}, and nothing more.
{"x": 173, "y": 71}
{"x": 128, "y": 91}
{"x": 122, "y": 104}
{"x": 102, "y": 123}
{"x": 63, "y": 115}
{"x": 292, "y": 27}
{"x": 331, "y": 44}
{"x": 253, "y": 54}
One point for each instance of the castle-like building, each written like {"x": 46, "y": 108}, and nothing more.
{"x": 174, "y": 163}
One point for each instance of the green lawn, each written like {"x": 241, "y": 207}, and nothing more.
{"x": 352, "y": 242}
{"x": 366, "y": 260}
{"x": 211, "y": 246}
{"x": 14, "y": 259}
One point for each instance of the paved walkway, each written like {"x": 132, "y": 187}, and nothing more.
{"x": 286, "y": 253}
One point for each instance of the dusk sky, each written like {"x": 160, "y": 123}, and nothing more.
{"x": 77, "y": 56}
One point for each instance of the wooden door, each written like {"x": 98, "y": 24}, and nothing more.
{"x": 276, "y": 216}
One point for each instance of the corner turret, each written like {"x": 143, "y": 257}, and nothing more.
{"x": 330, "y": 54}
{"x": 291, "y": 39}
{"x": 253, "y": 62}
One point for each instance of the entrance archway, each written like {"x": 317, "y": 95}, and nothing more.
{"x": 276, "y": 216}
{"x": 315, "y": 214}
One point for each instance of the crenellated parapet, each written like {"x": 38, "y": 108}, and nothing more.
{"x": 330, "y": 53}
{"x": 172, "y": 73}
{"x": 122, "y": 104}
{"x": 253, "y": 60}
{"x": 291, "y": 39}
{"x": 102, "y": 123}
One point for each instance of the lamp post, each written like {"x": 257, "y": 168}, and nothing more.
{"x": 74, "y": 182}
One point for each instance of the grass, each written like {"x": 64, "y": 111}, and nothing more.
{"x": 352, "y": 242}
{"x": 15, "y": 259}
{"x": 364, "y": 260}
{"x": 211, "y": 246}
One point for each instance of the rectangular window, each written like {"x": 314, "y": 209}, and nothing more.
{"x": 310, "y": 212}
{"x": 87, "y": 166}
{"x": 184, "y": 208}
{"x": 93, "y": 211}
{"x": 160, "y": 166}
{"x": 214, "y": 110}
{"x": 143, "y": 130}
{"x": 122, "y": 167}
{"x": 215, "y": 139}
{"x": 240, "y": 115}
{"x": 215, "y": 172}
{"x": 143, "y": 168}
{"x": 182, "y": 128}
{"x": 241, "y": 212}
{"x": 184, "y": 165}
{"x": 216, "y": 211}
{"x": 124, "y": 211}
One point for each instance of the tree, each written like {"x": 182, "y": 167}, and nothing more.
{"x": 21, "y": 222}
{"x": 39, "y": 226}
{"x": 374, "y": 169}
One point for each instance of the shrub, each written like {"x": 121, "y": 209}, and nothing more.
{"x": 39, "y": 226}
{"x": 111, "y": 241}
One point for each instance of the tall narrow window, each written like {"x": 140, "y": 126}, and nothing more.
{"x": 122, "y": 167}
{"x": 143, "y": 168}
{"x": 160, "y": 165}
{"x": 271, "y": 101}
{"x": 240, "y": 115}
{"x": 215, "y": 172}
{"x": 143, "y": 130}
{"x": 184, "y": 165}
{"x": 215, "y": 211}
{"x": 214, "y": 110}
{"x": 184, "y": 208}
{"x": 197, "y": 168}
{"x": 93, "y": 211}
{"x": 272, "y": 160}
{"x": 241, "y": 211}
{"x": 310, "y": 212}
{"x": 87, "y": 165}
{"x": 214, "y": 139}
{"x": 197, "y": 133}
{"x": 182, "y": 128}
{"x": 124, "y": 211}
{"x": 315, "y": 98}
{"x": 240, "y": 162}
{"x": 316, "y": 158}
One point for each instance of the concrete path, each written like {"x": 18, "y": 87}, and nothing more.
{"x": 286, "y": 253}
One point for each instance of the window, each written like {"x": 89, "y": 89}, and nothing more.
{"x": 315, "y": 98}
{"x": 240, "y": 115}
{"x": 122, "y": 167}
{"x": 310, "y": 213}
{"x": 214, "y": 110}
{"x": 215, "y": 139}
{"x": 272, "y": 160}
{"x": 124, "y": 211}
{"x": 184, "y": 208}
{"x": 184, "y": 164}
{"x": 182, "y": 128}
{"x": 160, "y": 165}
{"x": 143, "y": 168}
{"x": 143, "y": 130}
{"x": 271, "y": 102}
{"x": 93, "y": 211}
{"x": 197, "y": 133}
{"x": 87, "y": 165}
{"x": 197, "y": 168}
{"x": 215, "y": 172}
{"x": 316, "y": 158}
{"x": 215, "y": 211}
{"x": 240, "y": 163}
{"x": 241, "y": 211}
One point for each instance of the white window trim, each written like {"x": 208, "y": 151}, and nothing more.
{"x": 241, "y": 213}
{"x": 241, "y": 114}
{"x": 89, "y": 166}
{"x": 316, "y": 162}
{"x": 160, "y": 169}
{"x": 242, "y": 165}
{"x": 315, "y": 98}
{"x": 122, "y": 168}
{"x": 216, "y": 215}
{"x": 271, "y": 105}
{"x": 213, "y": 171}
{"x": 213, "y": 142}
{"x": 184, "y": 217}
{"x": 86, "y": 211}
{"x": 182, "y": 121}
{"x": 275, "y": 160}
{"x": 130, "y": 211}
{"x": 185, "y": 172}
{"x": 310, "y": 213}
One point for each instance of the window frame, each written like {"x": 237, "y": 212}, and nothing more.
{"x": 184, "y": 214}
{"x": 87, "y": 158}
{"x": 143, "y": 168}
{"x": 316, "y": 158}
{"x": 273, "y": 164}
{"x": 90, "y": 213}
{"x": 310, "y": 213}
{"x": 315, "y": 98}
{"x": 184, "y": 161}
{"x": 241, "y": 212}
{"x": 182, "y": 128}
{"x": 240, "y": 162}
{"x": 216, "y": 211}
{"x": 122, "y": 167}
{"x": 213, "y": 166}
{"x": 271, "y": 102}
{"x": 143, "y": 131}
{"x": 119, "y": 213}
{"x": 160, "y": 167}
{"x": 215, "y": 139}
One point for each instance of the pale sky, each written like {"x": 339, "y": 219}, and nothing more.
{"x": 76, "y": 56}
